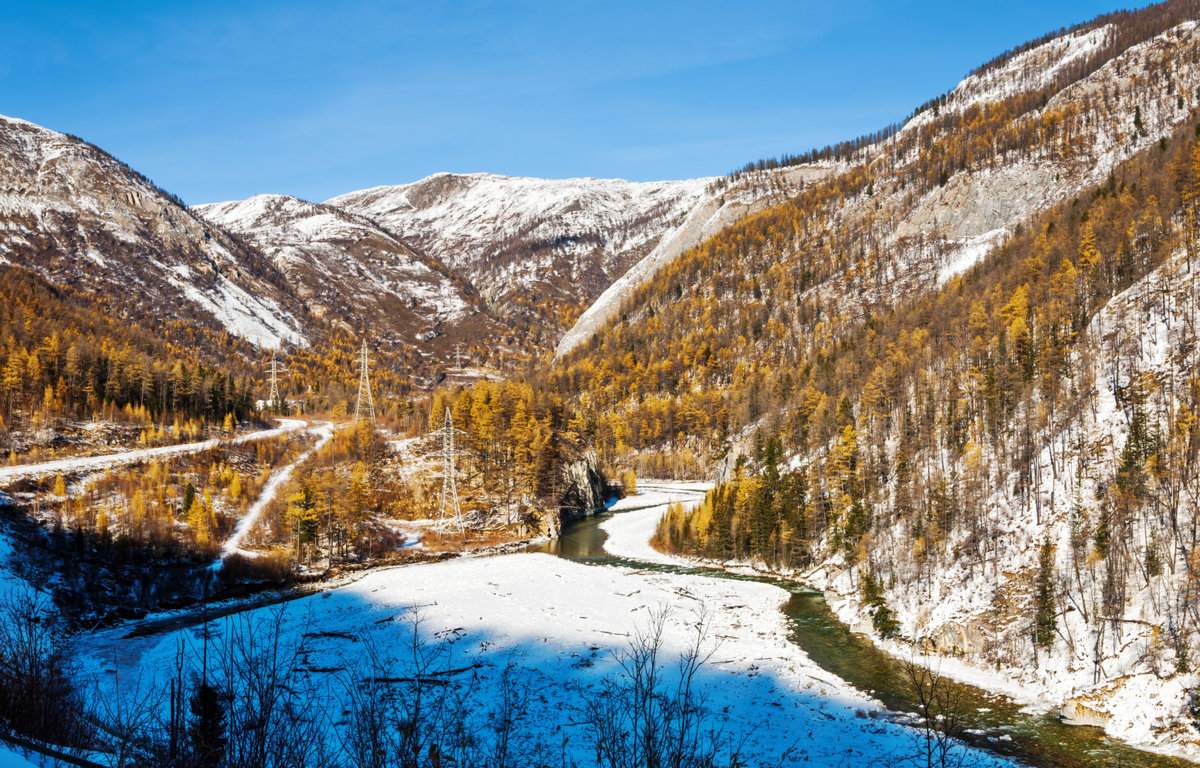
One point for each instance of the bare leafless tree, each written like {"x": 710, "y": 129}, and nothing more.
{"x": 650, "y": 715}
{"x": 418, "y": 712}
{"x": 938, "y": 734}
{"x": 128, "y": 719}
{"x": 271, "y": 720}
{"x": 37, "y": 697}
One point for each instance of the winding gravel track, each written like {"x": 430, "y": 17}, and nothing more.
{"x": 96, "y": 463}
{"x": 244, "y": 526}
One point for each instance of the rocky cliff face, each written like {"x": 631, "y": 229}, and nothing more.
{"x": 79, "y": 217}
{"x": 357, "y": 276}
{"x": 583, "y": 488}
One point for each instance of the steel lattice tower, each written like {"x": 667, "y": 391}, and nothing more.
{"x": 366, "y": 404}
{"x": 449, "y": 486}
{"x": 274, "y": 369}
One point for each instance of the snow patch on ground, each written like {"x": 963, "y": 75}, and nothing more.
{"x": 11, "y": 757}
{"x": 11, "y": 585}
{"x": 257, "y": 320}
{"x": 95, "y": 463}
{"x": 629, "y": 532}
{"x": 969, "y": 252}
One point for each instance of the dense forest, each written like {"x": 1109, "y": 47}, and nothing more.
{"x": 955, "y": 370}
{"x": 69, "y": 355}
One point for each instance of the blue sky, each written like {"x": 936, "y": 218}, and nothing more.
{"x": 222, "y": 100}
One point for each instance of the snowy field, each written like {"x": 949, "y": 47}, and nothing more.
{"x": 12, "y": 757}
{"x": 553, "y": 626}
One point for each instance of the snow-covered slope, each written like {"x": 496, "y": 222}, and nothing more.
{"x": 1028, "y": 71}
{"x": 1121, "y": 673}
{"x": 525, "y": 242}
{"x": 350, "y": 272}
{"x": 924, "y": 240}
{"x": 12, "y": 584}
{"x": 974, "y": 204}
{"x": 930, "y": 238}
{"x": 79, "y": 217}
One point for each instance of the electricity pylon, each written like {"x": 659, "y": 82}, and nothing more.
{"x": 366, "y": 404}
{"x": 273, "y": 370}
{"x": 449, "y": 485}
{"x": 458, "y": 356}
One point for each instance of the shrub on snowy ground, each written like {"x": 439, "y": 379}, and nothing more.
{"x": 937, "y": 737}
{"x": 650, "y": 713}
{"x": 37, "y": 698}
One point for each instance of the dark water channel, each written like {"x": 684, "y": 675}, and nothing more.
{"x": 1035, "y": 739}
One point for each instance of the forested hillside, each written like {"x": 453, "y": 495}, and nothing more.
{"x": 71, "y": 354}
{"x": 954, "y": 381}
{"x": 725, "y": 334}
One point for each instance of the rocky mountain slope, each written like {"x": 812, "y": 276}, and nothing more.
{"x": 79, "y": 217}
{"x": 356, "y": 276}
{"x": 481, "y": 258}
{"x": 729, "y": 200}
{"x": 537, "y": 250}
{"x": 934, "y": 234}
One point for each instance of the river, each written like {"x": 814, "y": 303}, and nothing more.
{"x": 798, "y": 682}
{"x": 1038, "y": 739}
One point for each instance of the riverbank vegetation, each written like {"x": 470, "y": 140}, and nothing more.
{"x": 918, "y": 421}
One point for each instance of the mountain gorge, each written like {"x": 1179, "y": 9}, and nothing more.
{"x": 946, "y": 383}
{"x": 945, "y": 373}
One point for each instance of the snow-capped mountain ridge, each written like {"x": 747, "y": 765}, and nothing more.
{"x": 523, "y": 240}
{"x": 349, "y": 271}
{"x": 78, "y": 216}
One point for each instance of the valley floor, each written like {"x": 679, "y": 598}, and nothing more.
{"x": 1139, "y": 709}
{"x": 552, "y": 626}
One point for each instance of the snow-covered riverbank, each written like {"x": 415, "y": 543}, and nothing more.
{"x": 1140, "y": 699}
{"x": 555, "y": 625}
{"x": 635, "y": 517}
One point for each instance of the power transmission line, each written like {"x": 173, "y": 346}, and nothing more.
{"x": 449, "y": 502}
{"x": 366, "y": 404}
{"x": 274, "y": 368}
